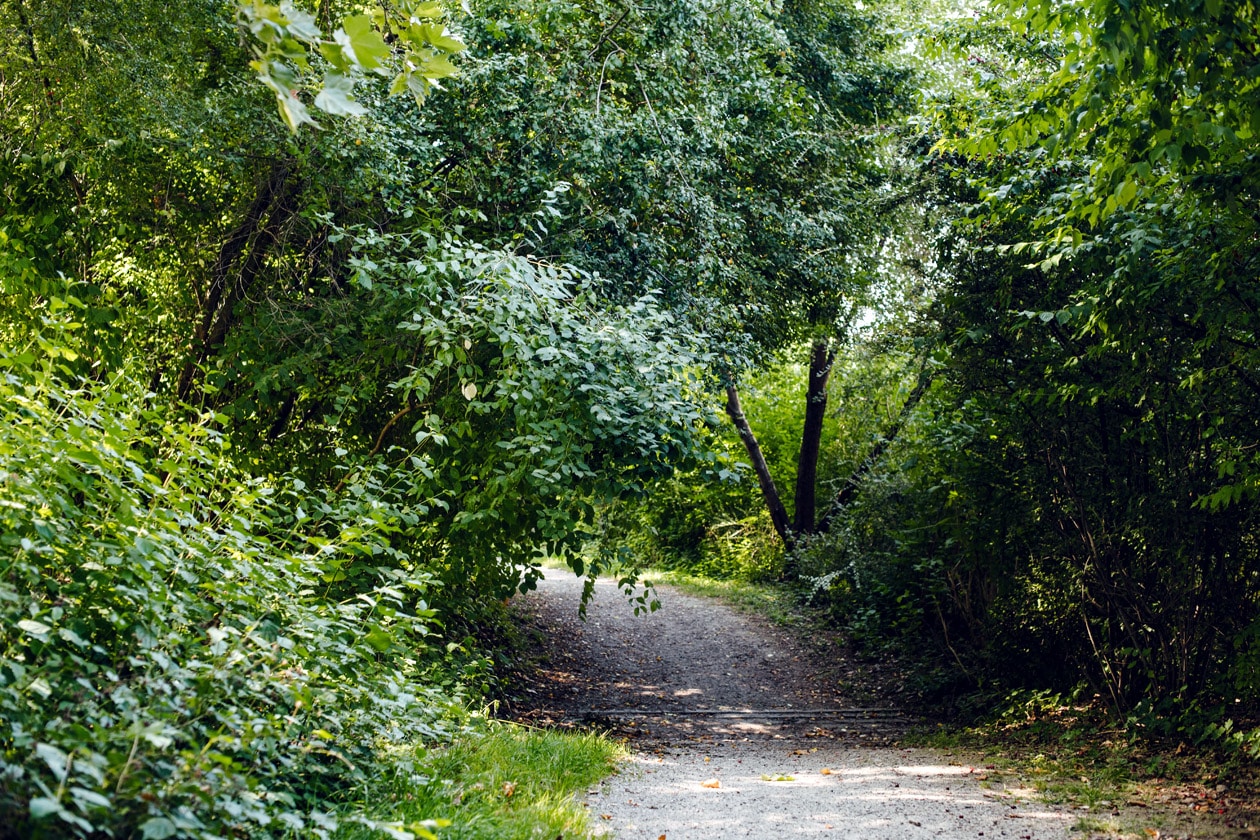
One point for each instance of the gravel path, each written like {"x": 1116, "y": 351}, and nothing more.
{"x": 736, "y": 735}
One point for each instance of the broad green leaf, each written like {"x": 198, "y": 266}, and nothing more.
{"x": 335, "y": 55}
{"x": 88, "y": 799}
{"x": 292, "y": 112}
{"x": 1127, "y": 192}
{"x": 438, "y": 67}
{"x": 367, "y": 46}
{"x": 35, "y": 628}
{"x": 157, "y": 828}
{"x": 158, "y": 739}
{"x": 56, "y": 759}
{"x": 435, "y": 34}
{"x": 378, "y": 639}
{"x": 71, "y": 637}
{"x": 336, "y": 97}
{"x": 427, "y": 10}
{"x": 299, "y": 23}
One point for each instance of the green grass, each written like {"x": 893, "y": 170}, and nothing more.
{"x": 768, "y": 600}
{"x": 504, "y": 783}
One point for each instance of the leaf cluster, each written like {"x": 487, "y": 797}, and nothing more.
{"x": 188, "y": 650}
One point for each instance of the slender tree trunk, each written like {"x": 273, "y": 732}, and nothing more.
{"x": 778, "y": 514}
{"x": 848, "y": 492}
{"x": 240, "y": 261}
{"x": 821, "y": 357}
{"x": 36, "y": 64}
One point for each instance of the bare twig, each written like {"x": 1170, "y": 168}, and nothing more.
{"x": 609, "y": 31}
{"x": 380, "y": 441}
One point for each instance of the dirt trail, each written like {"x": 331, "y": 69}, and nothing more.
{"x": 737, "y": 733}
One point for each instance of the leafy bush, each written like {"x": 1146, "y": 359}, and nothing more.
{"x": 186, "y": 650}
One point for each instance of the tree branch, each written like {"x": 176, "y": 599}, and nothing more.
{"x": 853, "y": 483}
{"x": 380, "y": 440}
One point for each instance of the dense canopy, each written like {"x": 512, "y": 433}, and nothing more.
{"x": 324, "y": 324}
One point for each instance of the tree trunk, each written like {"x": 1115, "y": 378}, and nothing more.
{"x": 36, "y": 64}
{"x": 240, "y": 261}
{"x": 778, "y": 514}
{"x": 821, "y": 357}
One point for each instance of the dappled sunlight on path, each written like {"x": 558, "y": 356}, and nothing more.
{"x": 770, "y": 792}
{"x": 739, "y": 734}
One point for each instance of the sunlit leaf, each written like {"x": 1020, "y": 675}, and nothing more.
{"x": 336, "y": 96}
{"x": 366, "y": 44}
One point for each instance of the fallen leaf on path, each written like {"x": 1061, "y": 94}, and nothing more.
{"x": 826, "y": 771}
{"x": 781, "y": 777}
{"x": 710, "y": 783}
{"x": 605, "y": 816}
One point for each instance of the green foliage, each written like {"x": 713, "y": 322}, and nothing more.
{"x": 282, "y": 417}
{"x": 1225, "y": 735}
{"x": 269, "y": 288}
{"x": 406, "y": 34}
{"x": 1140, "y": 95}
{"x": 714, "y": 151}
{"x": 1075, "y": 499}
{"x": 506, "y": 782}
{"x": 505, "y": 397}
{"x": 699, "y": 522}
{"x": 706, "y": 521}
{"x": 1045, "y": 509}
{"x": 188, "y": 650}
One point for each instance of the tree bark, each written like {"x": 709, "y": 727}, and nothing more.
{"x": 778, "y": 514}
{"x": 822, "y": 355}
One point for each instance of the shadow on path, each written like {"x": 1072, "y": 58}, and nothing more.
{"x": 737, "y": 734}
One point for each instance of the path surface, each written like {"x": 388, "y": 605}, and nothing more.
{"x": 736, "y": 734}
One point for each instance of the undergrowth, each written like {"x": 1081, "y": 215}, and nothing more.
{"x": 189, "y": 650}
{"x": 1129, "y": 777}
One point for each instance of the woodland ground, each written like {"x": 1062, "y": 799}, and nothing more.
{"x": 740, "y": 728}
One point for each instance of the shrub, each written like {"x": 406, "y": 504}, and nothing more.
{"x": 186, "y": 650}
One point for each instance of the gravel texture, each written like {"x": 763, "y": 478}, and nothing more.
{"x": 737, "y": 734}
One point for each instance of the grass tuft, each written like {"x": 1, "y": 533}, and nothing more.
{"x": 506, "y": 783}
{"x": 770, "y": 601}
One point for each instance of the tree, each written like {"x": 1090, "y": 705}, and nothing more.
{"x": 272, "y": 394}
{"x": 1102, "y": 340}
{"x": 725, "y": 157}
